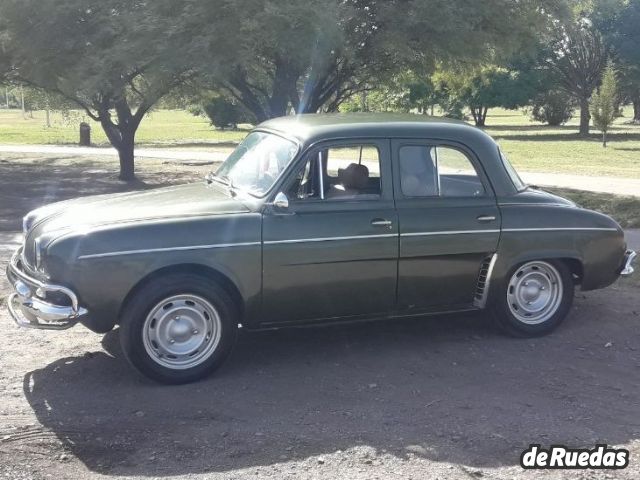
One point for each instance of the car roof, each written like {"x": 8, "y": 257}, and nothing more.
{"x": 309, "y": 128}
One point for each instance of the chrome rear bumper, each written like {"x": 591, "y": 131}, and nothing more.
{"x": 28, "y": 305}
{"x": 627, "y": 267}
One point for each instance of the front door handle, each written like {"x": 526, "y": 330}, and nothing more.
{"x": 381, "y": 222}
{"x": 486, "y": 218}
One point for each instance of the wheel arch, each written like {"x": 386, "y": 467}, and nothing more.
{"x": 572, "y": 260}
{"x": 193, "y": 268}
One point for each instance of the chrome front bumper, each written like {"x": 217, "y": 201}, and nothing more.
{"x": 28, "y": 305}
{"x": 627, "y": 267}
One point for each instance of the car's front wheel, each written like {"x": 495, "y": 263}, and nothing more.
{"x": 534, "y": 299}
{"x": 178, "y": 328}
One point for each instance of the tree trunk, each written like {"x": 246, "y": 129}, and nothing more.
{"x": 479, "y": 115}
{"x": 604, "y": 139}
{"x": 585, "y": 116}
{"x": 126, "y": 156}
{"x": 24, "y": 112}
{"x": 636, "y": 109}
{"x": 122, "y": 137}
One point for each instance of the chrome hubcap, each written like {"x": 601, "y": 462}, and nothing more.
{"x": 535, "y": 292}
{"x": 181, "y": 331}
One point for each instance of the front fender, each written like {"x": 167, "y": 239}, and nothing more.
{"x": 103, "y": 265}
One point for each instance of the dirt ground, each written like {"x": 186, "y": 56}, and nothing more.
{"x": 440, "y": 397}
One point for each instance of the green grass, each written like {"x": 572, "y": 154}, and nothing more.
{"x": 530, "y": 146}
{"x": 534, "y": 147}
{"x": 159, "y": 128}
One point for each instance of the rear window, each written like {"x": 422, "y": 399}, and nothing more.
{"x": 513, "y": 175}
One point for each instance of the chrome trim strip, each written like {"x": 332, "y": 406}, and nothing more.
{"x": 534, "y": 205}
{"x": 448, "y": 232}
{"x": 628, "y": 269}
{"x": 321, "y": 175}
{"x": 560, "y": 229}
{"x": 330, "y": 239}
{"x": 482, "y": 302}
{"x": 166, "y": 249}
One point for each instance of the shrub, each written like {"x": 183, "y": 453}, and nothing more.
{"x": 224, "y": 113}
{"x": 553, "y": 108}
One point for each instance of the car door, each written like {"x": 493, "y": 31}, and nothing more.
{"x": 449, "y": 224}
{"x": 333, "y": 252}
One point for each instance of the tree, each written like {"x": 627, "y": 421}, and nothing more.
{"x": 604, "y": 103}
{"x": 404, "y": 92}
{"x": 417, "y": 92}
{"x": 618, "y": 20}
{"x": 553, "y": 107}
{"x": 312, "y": 55}
{"x": 483, "y": 88}
{"x": 113, "y": 58}
{"x": 224, "y": 113}
{"x": 577, "y": 57}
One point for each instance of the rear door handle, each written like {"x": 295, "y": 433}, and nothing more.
{"x": 486, "y": 218}
{"x": 381, "y": 222}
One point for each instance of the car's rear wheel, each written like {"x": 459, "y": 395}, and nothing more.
{"x": 535, "y": 298}
{"x": 178, "y": 328}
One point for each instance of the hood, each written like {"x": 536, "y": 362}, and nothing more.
{"x": 84, "y": 214}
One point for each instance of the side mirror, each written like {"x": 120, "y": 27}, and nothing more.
{"x": 281, "y": 202}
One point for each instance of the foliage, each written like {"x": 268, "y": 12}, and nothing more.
{"x": 107, "y": 56}
{"x": 224, "y": 113}
{"x": 604, "y": 103}
{"x": 312, "y": 55}
{"x": 618, "y": 21}
{"x": 403, "y": 92}
{"x": 487, "y": 87}
{"x": 577, "y": 58}
{"x": 553, "y": 107}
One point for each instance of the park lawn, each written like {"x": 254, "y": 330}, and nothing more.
{"x": 529, "y": 146}
{"x": 540, "y": 148}
{"x": 159, "y": 128}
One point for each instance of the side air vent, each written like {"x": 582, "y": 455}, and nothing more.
{"x": 484, "y": 277}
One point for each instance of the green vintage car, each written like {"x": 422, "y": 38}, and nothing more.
{"x": 313, "y": 219}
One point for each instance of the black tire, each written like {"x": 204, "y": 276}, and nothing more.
{"x": 510, "y": 323}
{"x": 149, "y": 298}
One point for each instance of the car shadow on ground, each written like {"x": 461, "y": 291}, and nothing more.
{"x": 448, "y": 388}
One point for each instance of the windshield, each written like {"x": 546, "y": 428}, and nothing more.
{"x": 257, "y": 162}
{"x": 515, "y": 178}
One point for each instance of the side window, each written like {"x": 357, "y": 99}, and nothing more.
{"x": 418, "y": 175}
{"x": 339, "y": 173}
{"x": 458, "y": 177}
{"x": 429, "y": 171}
